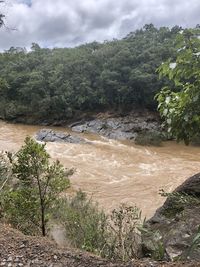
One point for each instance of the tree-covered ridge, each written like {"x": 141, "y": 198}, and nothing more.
{"x": 53, "y": 84}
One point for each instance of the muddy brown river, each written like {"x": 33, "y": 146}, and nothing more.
{"x": 113, "y": 171}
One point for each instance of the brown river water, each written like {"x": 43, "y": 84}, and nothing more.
{"x": 112, "y": 171}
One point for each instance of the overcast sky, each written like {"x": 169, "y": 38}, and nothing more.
{"x": 64, "y": 23}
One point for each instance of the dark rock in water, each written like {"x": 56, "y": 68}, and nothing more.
{"x": 191, "y": 186}
{"x": 177, "y": 223}
{"x": 48, "y": 135}
{"x": 120, "y": 128}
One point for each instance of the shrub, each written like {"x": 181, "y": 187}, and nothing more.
{"x": 5, "y": 175}
{"x": 114, "y": 236}
{"x": 5, "y": 168}
{"x": 124, "y": 240}
{"x": 152, "y": 244}
{"x": 84, "y": 223}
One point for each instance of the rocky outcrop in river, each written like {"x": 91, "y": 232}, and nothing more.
{"x": 48, "y": 135}
{"x": 175, "y": 226}
{"x": 120, "y": 128}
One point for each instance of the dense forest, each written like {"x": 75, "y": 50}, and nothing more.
{"x": 59, "y": 83}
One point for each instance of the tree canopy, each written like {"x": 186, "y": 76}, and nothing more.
{"x": 56, "y": 84}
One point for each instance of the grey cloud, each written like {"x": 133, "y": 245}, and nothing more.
{"x": 165, "y": 13}
{"x": 71, "y": 22}
{"x": 54, "y": 28}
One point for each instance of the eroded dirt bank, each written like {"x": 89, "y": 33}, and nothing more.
{"x": 18, "y": 250}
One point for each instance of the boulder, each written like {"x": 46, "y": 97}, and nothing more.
{"x": 177, "y": 223}
{"x": 48, "y": 135}
{"x": 119, "y": 128}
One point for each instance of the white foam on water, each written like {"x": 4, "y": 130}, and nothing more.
{"x": 113, "y": 170}
{"x": 117, "y": 181}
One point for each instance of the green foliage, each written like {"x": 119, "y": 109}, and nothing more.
{"x": 179, "y": 105}
{"x": 180, "y": 200}
{"x": 159, "y": 250}
{"x": 124, "y": 240}
{"x": 56, "y": 84}
{"x": 5, "y": 168}
{"x": 153, "y": 246}
{"x": 85, "y": 224}
{"x": 20, "y": 208}
{"x": 115, "y": 236}
{"x": 179, "y": 102}
{"x": 195, "y": 243}
{"x": 26, "y": 202}
{"x": 181, "y": 197}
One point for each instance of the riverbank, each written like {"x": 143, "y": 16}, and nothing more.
{"x": 113, "y": 125}
{"x": 17, "y": 249}
{"x": 118, "y": 127}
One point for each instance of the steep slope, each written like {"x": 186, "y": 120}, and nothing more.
{"x": 18, "y": 250}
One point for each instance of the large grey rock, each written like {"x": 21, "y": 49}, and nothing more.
{"x": 120, "y": 128}
{"x": 48, "y": 135}
{"x": 120, "y": 135}
{"x": 177, "y": 222}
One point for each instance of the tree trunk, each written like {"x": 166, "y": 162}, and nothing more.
{"x": 43, "y": 221}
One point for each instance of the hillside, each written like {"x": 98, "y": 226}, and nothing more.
{"x": 18, "y": 250}
{"x": 59, "y": 84}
